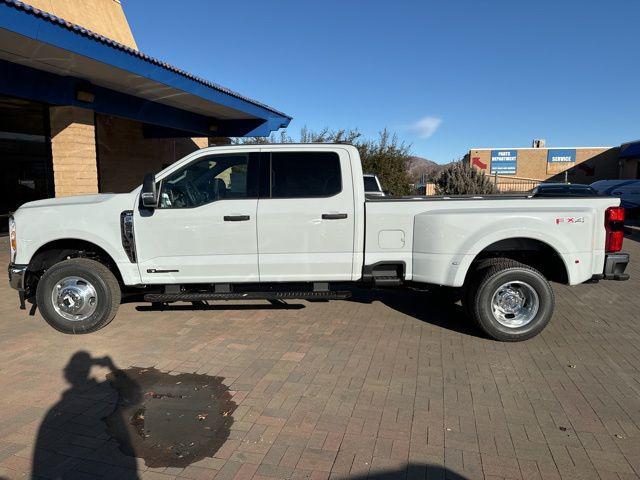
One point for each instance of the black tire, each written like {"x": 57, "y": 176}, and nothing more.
{"x": 105, "y": 284}
{"x": 474, "y": 279}
{"x": 486, "y": 281}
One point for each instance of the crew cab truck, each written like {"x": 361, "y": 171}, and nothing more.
{"x": 292, "y": 221}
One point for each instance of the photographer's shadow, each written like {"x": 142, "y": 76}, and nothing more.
{"x": 72, "y": 440}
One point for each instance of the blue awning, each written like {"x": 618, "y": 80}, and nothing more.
{"x": 46, "y": 58}
{"x": 630, "y": 150}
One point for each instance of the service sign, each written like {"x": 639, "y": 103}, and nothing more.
{"x": 504, "y": 162}
{"x": 561, "y": 155}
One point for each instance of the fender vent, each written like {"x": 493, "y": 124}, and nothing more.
{"x": 128, "y": 237}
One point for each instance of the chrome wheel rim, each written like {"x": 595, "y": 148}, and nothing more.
{"x": 74, "y": 298}
{"x": 515, "y": 304}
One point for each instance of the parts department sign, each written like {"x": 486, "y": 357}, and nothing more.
{"x": 504, "y": 162}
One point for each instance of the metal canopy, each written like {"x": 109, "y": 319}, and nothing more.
{"x": 630, "y": 150}
{"x": 40, "y": 48}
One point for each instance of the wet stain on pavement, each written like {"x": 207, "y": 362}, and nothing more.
{"x": 169, "y": 420}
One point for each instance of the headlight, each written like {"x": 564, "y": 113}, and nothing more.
{"x": 13, "y": 241}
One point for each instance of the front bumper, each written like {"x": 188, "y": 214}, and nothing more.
{"x": 614, "y": 267}
{"x": 17, "y": 274}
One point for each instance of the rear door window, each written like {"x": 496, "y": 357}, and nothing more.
{"x": 303, "y": 175}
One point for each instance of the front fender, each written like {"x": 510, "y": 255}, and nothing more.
{"x": 98, "y": 224}
{"x": 112, "y": 250}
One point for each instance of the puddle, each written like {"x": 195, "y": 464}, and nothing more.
{"x": 169, "y": 420}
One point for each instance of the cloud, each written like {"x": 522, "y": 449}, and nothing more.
{"x": 426, "y": 126}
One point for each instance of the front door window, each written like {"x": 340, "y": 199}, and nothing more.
{"x": 213, "y": 178}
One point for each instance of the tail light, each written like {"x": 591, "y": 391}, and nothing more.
{"x": 614, "y": 225}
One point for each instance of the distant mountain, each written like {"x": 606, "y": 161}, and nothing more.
{"x": 417, "y": 167}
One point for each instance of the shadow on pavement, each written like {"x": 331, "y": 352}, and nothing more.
{"x": 274, "y": 305}
{"x": 101, "y": 428}
{"x": 412, "y": 470}
{"x": 72, "y": 439}
{"x": 435, "y": 308}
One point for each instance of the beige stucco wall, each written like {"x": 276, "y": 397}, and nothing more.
{"x": 124, "y": 155}
{"x": 105, "y": 17}
{"x": 591, "y": 164}
{"x": 73, "y": 151}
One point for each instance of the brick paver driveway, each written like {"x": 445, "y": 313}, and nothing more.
{"x": 384, "y": 386}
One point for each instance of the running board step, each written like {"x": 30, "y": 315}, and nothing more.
{"x": 196, "y": 297}
{"x": 387, "y": 281}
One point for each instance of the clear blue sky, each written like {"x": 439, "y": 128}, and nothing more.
{"x": 444, "y": 75}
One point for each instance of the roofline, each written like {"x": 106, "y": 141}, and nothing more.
{"x": 281, "y": 144}
{"x": 541, "y": 148}
{"x": 96, "y": 37}
{"x": 255, "y": 146}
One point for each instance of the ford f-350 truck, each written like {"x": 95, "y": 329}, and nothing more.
{"x": 292, "y": 221}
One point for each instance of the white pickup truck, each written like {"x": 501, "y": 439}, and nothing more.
{"x": 292, "y": 221}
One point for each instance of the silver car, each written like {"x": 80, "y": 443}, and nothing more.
{"x": 627, "y": 190}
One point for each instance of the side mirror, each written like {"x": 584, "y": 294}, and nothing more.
{"x": 149, "y": 193}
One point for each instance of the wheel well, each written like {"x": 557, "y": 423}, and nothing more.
{"x": 54, "y": 252}
{"x": 529, "y": 251}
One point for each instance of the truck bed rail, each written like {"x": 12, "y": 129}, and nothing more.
{"x": 434, "y": 198}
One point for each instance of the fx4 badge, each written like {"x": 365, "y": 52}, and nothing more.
{"x": 560, "y": 220}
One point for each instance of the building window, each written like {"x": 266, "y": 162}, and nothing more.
{"x": 26, "y": 172}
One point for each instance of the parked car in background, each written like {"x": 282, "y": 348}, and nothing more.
{"x": 372, "y": 185}
{"x": 563, "y": 190}
{"x": 628, "y": 191}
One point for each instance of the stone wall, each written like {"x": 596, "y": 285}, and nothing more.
{"x": 73, "y": 151}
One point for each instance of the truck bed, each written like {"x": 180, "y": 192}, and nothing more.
{"x": 437, "y": 238}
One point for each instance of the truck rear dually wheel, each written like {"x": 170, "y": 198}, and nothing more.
{"x": 78, "y": 296}
{"x": 509, "y": 301}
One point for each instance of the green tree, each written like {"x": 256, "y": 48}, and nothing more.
{"x": 460, "y": 178}
{"x": 388, "y": 159}
{"x": 385, "y": 156}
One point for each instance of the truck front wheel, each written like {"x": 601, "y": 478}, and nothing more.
{"x": 78, "y": 296}
{"x": 510, "y": 301}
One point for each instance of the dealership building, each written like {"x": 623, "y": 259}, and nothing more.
{"x": 547, "y": 164}
{"x": 82, "y": 110}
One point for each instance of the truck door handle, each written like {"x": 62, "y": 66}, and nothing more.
{"x": 236, "y": 218}
{"x": 334, "y": 216}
